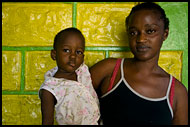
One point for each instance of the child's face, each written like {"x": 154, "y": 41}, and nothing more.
{"x": 69, "y": 53}
{"x": 146, "y": 34}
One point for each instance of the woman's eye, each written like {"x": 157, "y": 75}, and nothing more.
{"x": 132, "y": 33}
{"x": 79, "y": 52}
{"x": 150, "y": 31}
{"x": 66, "y": 50}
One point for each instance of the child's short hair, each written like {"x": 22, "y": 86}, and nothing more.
{"x": 62, "y": 33}
{"x": 150, "y": 6}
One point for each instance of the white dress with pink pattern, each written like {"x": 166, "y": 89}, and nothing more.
{"x": 77, "y": 102}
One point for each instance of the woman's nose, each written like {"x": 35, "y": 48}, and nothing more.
{"x": 141, "y": 37}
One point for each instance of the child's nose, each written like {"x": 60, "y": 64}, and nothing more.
{"x": 72, "y": 55}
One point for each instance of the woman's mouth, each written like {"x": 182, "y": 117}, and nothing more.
{"x": 142, "y": 48}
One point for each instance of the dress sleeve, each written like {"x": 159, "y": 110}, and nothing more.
{"x": 49, "y": 82}
{"x": 55, "y": 87}
{"x": 49, "y": 88}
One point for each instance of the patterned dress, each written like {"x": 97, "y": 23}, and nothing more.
{"x": 77, "y": 102}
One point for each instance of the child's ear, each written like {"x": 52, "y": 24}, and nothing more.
{"x": 166, "y": 32}
{"x": 53, "y": 54}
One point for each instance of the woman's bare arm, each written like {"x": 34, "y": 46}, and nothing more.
{"x": 101, "y": 70}
{"x": 181, "y": 105}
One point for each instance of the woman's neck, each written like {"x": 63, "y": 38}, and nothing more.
{"x": 147, "y": 67}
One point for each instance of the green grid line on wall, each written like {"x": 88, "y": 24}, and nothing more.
{"x": 74, "y": 14}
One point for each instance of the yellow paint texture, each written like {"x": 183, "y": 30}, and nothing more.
{"x": 33, "y": 24}
{"x": 92, "y": 57}
{"x": 37, "y": 63}
{"x": 21, "y": 110}
{"x": 30, "y": 110}
{"x": 171, "y": 62}
{"x": 115, "y": 54}
{"x": 103, "y": 24}
{"x": 11, "y": 110}
{"x": 11, "y": 70}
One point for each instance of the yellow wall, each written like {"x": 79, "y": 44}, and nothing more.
{"x": 28, "y": 30}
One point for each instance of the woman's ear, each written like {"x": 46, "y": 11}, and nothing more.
{"x": 53, "y": 54}
{"x": 166, "y": 32}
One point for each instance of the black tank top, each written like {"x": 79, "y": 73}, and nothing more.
{"x": 122, "y": 105}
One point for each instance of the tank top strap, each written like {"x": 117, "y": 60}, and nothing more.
{"x": 170, "y": 91}
{"x": 169, "y": 86}
{"x": 122, "y": 73}
{"x": 116, "y": 68}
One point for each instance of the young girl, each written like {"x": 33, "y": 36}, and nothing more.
{"x": 137, "y": 90}
{"x": 68, "y": 87}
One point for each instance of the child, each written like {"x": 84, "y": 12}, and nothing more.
{"x": 141, "y": 92}
{"x": 68, "y": 87}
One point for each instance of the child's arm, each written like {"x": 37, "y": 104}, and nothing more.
{"x": 181, "y": 104}
{"x": 101, "y": 70}
{"x": 47, "y": 107}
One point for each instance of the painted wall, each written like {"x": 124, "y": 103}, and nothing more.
{"x": 28, "y": 30}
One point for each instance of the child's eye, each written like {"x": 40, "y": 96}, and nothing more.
{"x": 79, "y": 52}
{"x": 150, "y": 31}
{"x": 66, "y": 50}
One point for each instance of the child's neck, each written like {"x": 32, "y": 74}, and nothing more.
{"x": 69, "y": 76}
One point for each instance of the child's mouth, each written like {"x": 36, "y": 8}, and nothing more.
{"x": 72, "y": 64}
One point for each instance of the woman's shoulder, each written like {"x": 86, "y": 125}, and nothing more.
{"x": 180, "y": 103}
{"x": 106, "y": 62}
{"x": 101, "y": 70}
{"x": 180, "y": 88}
{"x": 105, "y": 66}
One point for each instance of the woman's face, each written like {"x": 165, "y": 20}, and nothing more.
{"x": 69, "y": 53}
{"x": 146, "y": 34}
